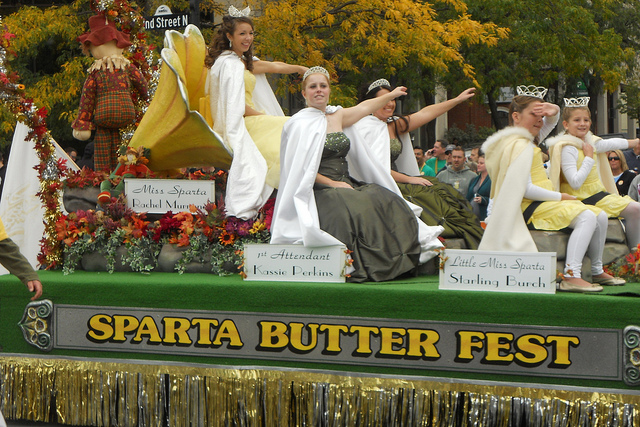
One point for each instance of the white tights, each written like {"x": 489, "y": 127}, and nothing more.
{"x": 631, "y": 215}
{"x": 588, "y": 237}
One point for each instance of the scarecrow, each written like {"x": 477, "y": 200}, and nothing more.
{"x": 107, "y": 104}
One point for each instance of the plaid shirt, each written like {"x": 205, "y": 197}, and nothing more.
{"x": 107, "y": 105}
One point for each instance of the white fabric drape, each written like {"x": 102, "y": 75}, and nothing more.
{"x": 246, "y": 189}
{"x": 20, "y": 209}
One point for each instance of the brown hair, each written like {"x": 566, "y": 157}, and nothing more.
{"x": 568, "y": 111}
{"x": 401, "y": 123}
{"x": 458, "y": 148}
{"x": 220, "y": 42}
{"x": 519, "y": 103}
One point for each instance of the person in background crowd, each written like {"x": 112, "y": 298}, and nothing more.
{"x": 72, "y": 152}
{"x": 448, "y": 150}
{"x": 474, "y": 155}
{"x": 633, "y": 188}
{"x": 480, "y": 190}
{"x": 438, "y": 160}
{"x": 17, "y": 264}
{"x": 473, "y": 166}
{"x": 632, "y": 157}
{"x": 87, "y": 157}
{"x": 621, "y": 173}
{"x": 458, "y": 173}
{"x": 422, "y": 166}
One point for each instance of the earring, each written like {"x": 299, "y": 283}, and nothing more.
{"x": 230, "y": 45}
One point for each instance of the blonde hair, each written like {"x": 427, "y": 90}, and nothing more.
{"x": 623, "y": 161}
{"x": 567, "y": 112}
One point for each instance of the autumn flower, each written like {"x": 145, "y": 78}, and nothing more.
{"x": 226, "y": 238}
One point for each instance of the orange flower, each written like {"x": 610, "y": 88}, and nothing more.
{"x": 226, "y": 238}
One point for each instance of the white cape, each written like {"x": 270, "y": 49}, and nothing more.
{"x": 557, "y": 144}
{"x": 375, "y": 134}
{"x": 263, "y": 97}
{"x": 246, "y": 190}
{"x": 508, "y": 156}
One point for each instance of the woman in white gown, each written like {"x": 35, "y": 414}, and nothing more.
{"x": 252, "y": 136}
{"x": 390, "y": 144}
{"x": 320, "y": 204}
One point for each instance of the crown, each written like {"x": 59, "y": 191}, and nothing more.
{"x": 532, "y": 90}
{"x": 316, "y": 70}
{"x": 582, "y": 101}
{"x": 378, "y": 83}
{"x": 236, "y": 13}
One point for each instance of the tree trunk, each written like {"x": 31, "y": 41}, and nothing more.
{"x": 493, "y": 108}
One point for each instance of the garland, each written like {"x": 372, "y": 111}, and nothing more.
{"x": 51, "y": 170}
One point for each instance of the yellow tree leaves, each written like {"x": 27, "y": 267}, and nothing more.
{"x": 354, "y": 37}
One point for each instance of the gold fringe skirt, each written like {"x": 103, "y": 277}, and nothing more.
{"x": 98, "y": 393}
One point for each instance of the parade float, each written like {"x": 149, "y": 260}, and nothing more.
{"x": 123, "y": 338}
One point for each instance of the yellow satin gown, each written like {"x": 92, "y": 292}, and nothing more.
{"x": 552, "y": 215}
{"x": 265, "y": 131}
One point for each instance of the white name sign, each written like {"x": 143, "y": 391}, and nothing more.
{"x": 526, "y": 272}
{"x": 294, "y": 263}
{"x": 163, "y": 195}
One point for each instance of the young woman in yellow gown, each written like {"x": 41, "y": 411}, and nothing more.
{"x": 237, "y": 109}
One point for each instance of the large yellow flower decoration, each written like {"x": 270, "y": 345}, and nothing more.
{"x": 172, "y": 128}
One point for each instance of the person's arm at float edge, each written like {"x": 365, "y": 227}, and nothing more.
{"x": 17, "y": 264}
{"x": 431, "y": 112}
{"x": 277, "y": 67}
{"x": 353, "y": 114}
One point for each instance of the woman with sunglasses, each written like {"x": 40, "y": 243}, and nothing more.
{"x": 621, "y": 173}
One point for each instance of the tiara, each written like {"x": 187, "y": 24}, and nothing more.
{"x": 378, "y": 83}
{"x": 316, "y": 70}
{"x": 532, "y": 90}
{"x": 582, "y": 101}
{"x": 236, "y": 13}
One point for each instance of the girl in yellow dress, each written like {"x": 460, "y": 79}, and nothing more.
{"x": 580, "y": 167}
{"x": 251, "y": 135}
{"x": 523, "y": 196}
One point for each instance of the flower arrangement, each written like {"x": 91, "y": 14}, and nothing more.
{"x": 208, "y": 235}
{"x": 627, "y": 267}
{"x": 49, "y": 170}
{"x": 84, "y": 178}
{"x": 25, "y": 110}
